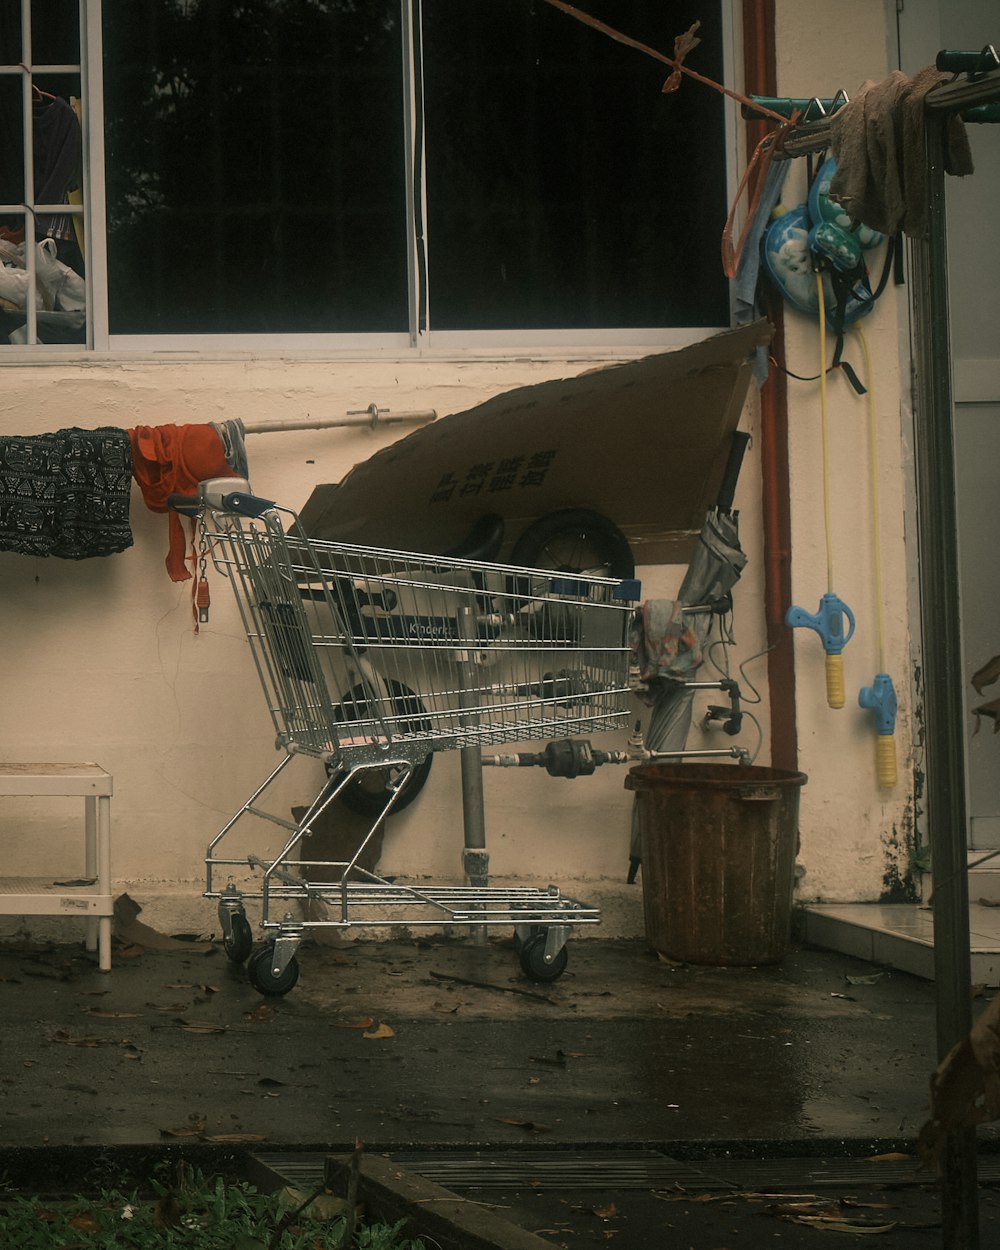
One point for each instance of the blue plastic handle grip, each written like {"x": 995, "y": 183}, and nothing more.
{"x": 880, "y": 698}
{"x": 828, "y": 622}
{"x": 246, "y": 505}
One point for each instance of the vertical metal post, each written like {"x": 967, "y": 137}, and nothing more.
{"x": 937, "y": 531}
{"x": 475, "y": 857}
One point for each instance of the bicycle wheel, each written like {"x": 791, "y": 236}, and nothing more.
{"x": 575, "y": 540}
{"x": 365, "y": 794}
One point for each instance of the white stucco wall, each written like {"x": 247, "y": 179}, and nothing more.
{"x": 100, "y": 660}
{"x": 853, "y": 832}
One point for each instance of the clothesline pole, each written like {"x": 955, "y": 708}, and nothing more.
{"x": 372, "y": 416}
{"x": 975, "y": 98}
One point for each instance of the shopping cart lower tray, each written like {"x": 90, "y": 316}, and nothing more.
{"x": 371, "y": 661}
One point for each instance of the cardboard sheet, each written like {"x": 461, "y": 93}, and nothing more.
{"x": 644, "y": 443}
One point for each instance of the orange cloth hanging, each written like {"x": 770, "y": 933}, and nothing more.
{"x": 173, "y": 459}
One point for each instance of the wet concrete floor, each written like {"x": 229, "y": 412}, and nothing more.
{"x": 440, "y": 1044}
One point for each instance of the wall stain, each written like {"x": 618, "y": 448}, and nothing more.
{"x": 906, "y": 851}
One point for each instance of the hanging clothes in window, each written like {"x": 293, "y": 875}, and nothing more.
{"x": 66, "y": 494}
{"x": 57, "y": 148}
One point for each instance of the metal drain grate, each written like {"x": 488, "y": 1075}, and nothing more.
{"x": 624, "y": 1169}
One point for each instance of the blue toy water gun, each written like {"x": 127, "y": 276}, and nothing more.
{"x": 880, "y": 697}
{"x": 828, "y": 622}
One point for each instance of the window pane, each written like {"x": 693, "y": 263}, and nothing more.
{"x": 254, "y": 166}
{"x": 11, "y": 36}
{"x": 55, "y": 32}
{"x": 564, "y": 188}
{"x": 47, "y": 63}
{"x": 12, "y": 139}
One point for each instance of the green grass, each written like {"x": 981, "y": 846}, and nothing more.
{"x": 197, "y": 1213}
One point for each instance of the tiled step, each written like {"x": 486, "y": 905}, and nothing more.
{"x": 984, "y": 882}
{"x": 901, "y": 935}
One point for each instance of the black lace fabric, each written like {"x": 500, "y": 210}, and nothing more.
{"x": 66, "y": 494}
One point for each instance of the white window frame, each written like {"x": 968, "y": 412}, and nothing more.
{"x": 417, "y": 342}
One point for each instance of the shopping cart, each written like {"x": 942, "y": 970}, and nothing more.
{"x": 372, "y": 660}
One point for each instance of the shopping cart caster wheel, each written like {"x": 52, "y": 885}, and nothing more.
{"x": 262, "y": 977}
{"x": 533, "y": 962}
{"x": 520, "y": 942}
{"x": 239, "y": 943}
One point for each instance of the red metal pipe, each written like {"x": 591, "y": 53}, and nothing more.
{"x": 760, "y": 78}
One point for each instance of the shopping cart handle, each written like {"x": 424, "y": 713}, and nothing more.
{"x": 190, "y": 505}
{"x": 246, "y": 505}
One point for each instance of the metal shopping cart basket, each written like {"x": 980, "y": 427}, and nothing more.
{"x": 373, "y": 659}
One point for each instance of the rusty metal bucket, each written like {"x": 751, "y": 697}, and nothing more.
{"x": 718, "y": 860}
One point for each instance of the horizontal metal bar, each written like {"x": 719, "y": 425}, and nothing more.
{"x": 963, "y": 93}
{"x": 280, "y": 425}
{"x": 965, "y": 96}
{"x": 789, "y": 106}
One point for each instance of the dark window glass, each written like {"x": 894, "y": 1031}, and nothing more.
{"x": 12, "y": 141}
{"x": 55, "y": 32}
{"x": 564, "y": 188}
{"x": 254, "y": 166}
{"x": 11, "y": 35}
{"x": 43, "y": 54}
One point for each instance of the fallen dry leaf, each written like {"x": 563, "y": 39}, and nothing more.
{"x": 184, "y": 1131}
{"x": 842, "y": 1225}
{"x": 98, "y": 1014}
{"x": 365, "y": 1022}
{"x": 827, "y": 1207}
{"x": 129, "y": 951}
{"x": 260, "y": 1014}
{"x": 965, "y": 1086}
{"x": 45, "y": 1216}
{"x": 168, "y": 1212}
{"x": 607, "y": 1212}
{"x": 222, "y": 1138}
{"x": 383, "y": 1030}
{"x": 67, "y": 1039}
{"x": 85, "y": 1222}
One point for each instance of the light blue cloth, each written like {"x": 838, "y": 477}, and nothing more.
{"x": 745, "y": 307}
{"x": 232, "y": 434}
